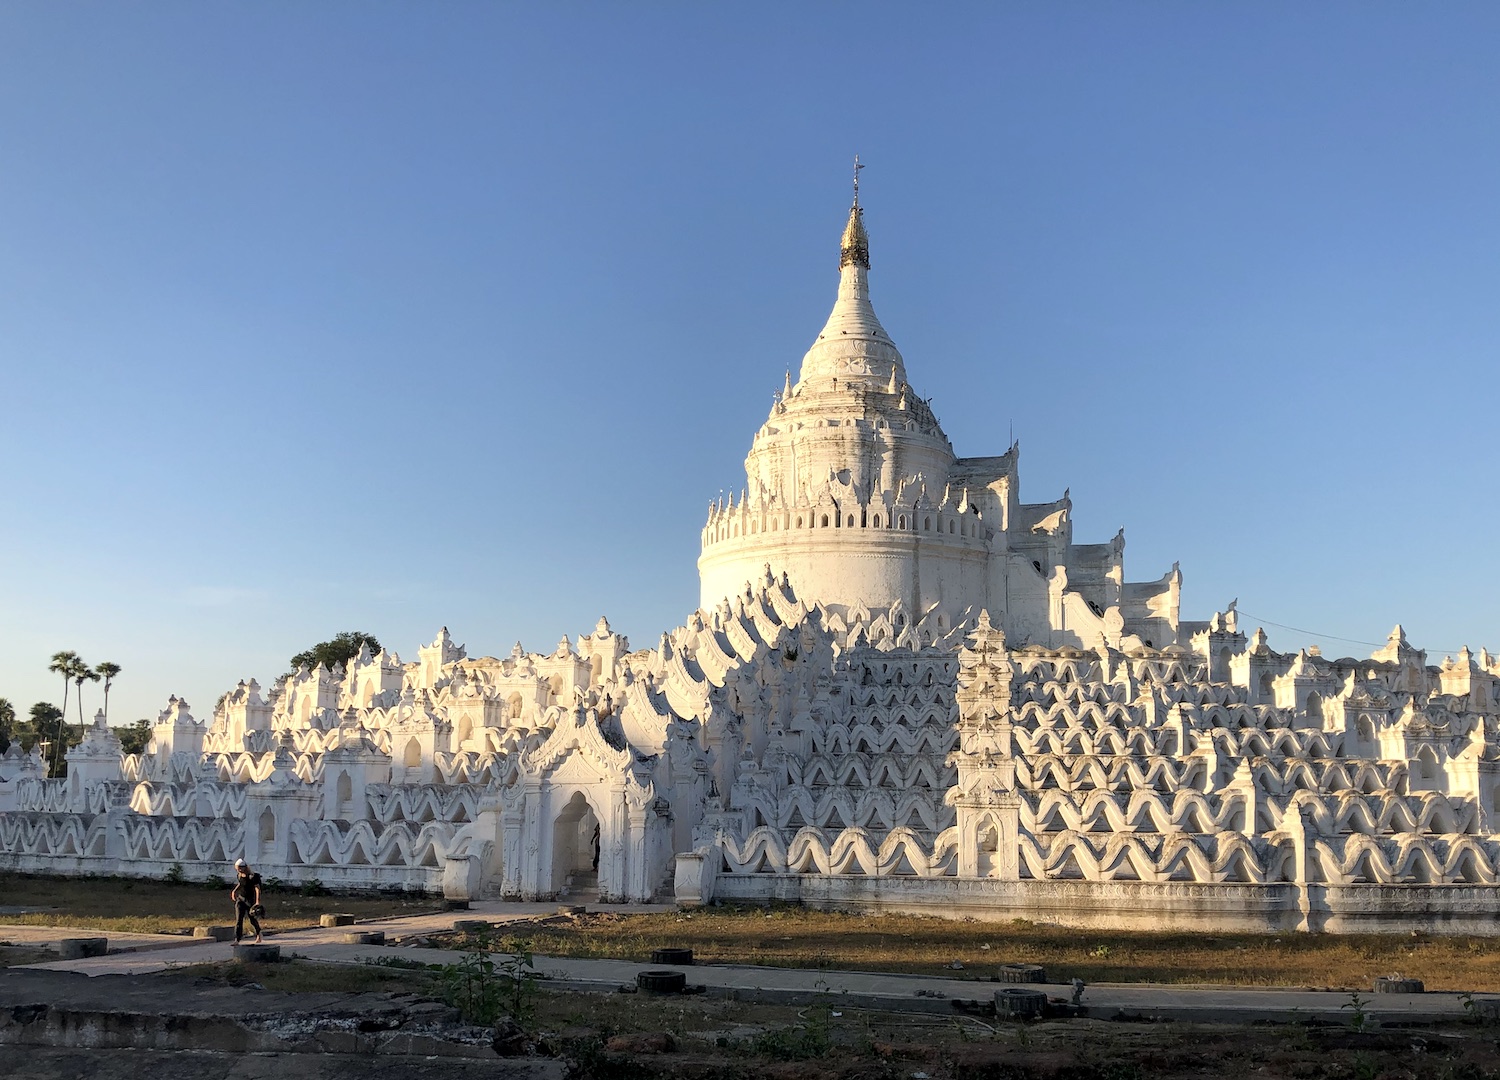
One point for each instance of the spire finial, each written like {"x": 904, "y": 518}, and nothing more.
{"x": 854, "y": 247}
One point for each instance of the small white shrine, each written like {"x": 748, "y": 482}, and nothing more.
{"x": 905, "y": 689}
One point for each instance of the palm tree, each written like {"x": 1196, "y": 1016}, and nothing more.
{"x": 108, "y": 669}
{"x": 82, "y": 671}
{"x": 7, "y": 724}
{"x": 64, "y": 664}
{"x": 49, "y": 727}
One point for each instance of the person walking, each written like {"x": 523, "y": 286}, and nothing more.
{"x": 246, "y": 897}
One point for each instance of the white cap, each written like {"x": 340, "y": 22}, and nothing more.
{"x": 239, "y": 863}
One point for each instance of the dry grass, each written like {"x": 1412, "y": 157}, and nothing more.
{"x": 797, "y": 937}
{"x": 142, "y": 906}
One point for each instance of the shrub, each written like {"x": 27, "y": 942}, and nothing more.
{"x": 484, "y": 987}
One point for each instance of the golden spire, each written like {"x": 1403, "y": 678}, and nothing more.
{"x": 854, "y": 247}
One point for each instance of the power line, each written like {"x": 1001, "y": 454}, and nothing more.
{"x": 1317, "y": 634}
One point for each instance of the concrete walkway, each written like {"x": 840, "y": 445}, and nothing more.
{"x": 47, "y": 937}
{"x": 124, "y": 957}
{"x": 904, "y": 993}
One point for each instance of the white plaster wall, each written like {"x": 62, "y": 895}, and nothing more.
{"x": 847, "y": 567}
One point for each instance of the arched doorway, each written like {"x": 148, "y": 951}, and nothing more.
{"x": 267, "y": 830}
{"x": 1428, "y": 773}
{"x": 575, "y": 845}
{"x": 989, "y": 849}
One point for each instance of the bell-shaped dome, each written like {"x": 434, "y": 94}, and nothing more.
{"x": 853, "y": 344}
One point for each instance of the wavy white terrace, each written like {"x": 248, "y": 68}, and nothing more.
{"x": 905, "y": 689}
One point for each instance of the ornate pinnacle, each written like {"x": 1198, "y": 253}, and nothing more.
{"x": 854, "y": 247}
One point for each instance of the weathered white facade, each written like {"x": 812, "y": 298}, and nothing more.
{"x": 905, "y": 688}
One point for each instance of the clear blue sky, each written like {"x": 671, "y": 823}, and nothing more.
{"x": 387, "y": 316}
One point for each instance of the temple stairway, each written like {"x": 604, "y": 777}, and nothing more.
{"x": 582, "y": 887}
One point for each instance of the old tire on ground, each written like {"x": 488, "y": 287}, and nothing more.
{"x": 1014, "y": 1003}
{"x": 470, "y": 926}
{"x": 335, "y": 919}
{"x": 1022, "y": 973}
{"x": 365, "y": 937}
{"x": 661, "y": 982}
{"x": 1390, "y": 984}
{"x": 214, "y": 933}
{"x": 679, "y": 957}
{"x": 258, "y": 954}
{"x": 76, "y": 948}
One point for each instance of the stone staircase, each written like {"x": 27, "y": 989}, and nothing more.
{"x": 582, "y": 887}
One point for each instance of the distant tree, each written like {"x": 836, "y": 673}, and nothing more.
{"x": 340, "y": 650}
{"x": 65, "y": 664}
{"x": 49, "y": 726}
{"x": 7, "y": 724}
{"x": 81, "y": 673}
{"x": 108, "y": 670}
{"x": 133, "y": 739}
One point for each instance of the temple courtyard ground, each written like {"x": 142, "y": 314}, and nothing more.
{"x": 790, "y": 936}
{"x": 782, "y": 992}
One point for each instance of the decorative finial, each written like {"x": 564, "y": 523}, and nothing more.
{"x": 854, "y": 247}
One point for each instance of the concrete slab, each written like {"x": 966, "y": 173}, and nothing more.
{"x": 47, "y": 937}
{"x": 41, "y": 1010}
{"x": 54, "y": 1063}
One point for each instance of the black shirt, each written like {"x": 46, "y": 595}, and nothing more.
{"x": 248, "y": 885}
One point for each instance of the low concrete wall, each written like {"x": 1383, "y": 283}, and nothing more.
{"x": 1376, "y": 909}
{"x": 1142, "y": 905}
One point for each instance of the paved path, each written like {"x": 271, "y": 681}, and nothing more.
{"x": 131, "y": 954}
{"x": 43, "y": 937}
{"x": 908, "y": 993}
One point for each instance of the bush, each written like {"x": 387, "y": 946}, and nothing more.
{"x": 485, "y": 987}
{"x": 215, "y": 883}
{"x": 313, "y": 887}
{"x": 175, "y": 874}
{"x": 811, "y": 1039}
